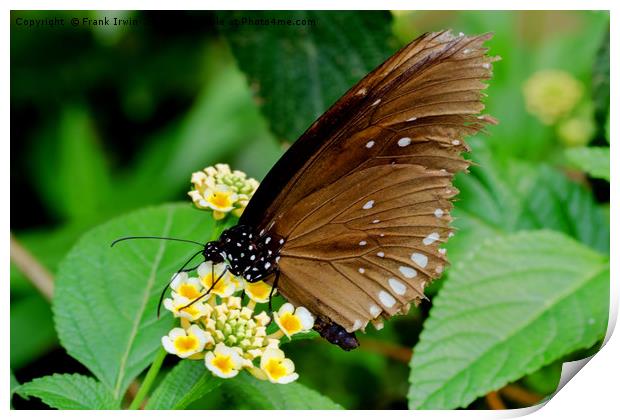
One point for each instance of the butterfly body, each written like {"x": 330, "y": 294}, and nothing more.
{"x": 249, "y": 254}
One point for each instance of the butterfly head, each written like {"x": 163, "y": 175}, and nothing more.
{"x": 213, "y": 252}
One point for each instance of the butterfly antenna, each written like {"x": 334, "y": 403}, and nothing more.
{"x": 163, "y": 292}
{"x": 164, "y": 238}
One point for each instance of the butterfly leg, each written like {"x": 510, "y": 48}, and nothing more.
{"x": 207, "y": 292}
{"x": 182, "y": 269}
{"x": 275, "y": 284}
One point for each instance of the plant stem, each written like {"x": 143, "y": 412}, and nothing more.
{"x": 520, "y": 395}
{"x": 148, "y": 379}
{"x": 494, "y": 401}
{"x": 32, "y": 268}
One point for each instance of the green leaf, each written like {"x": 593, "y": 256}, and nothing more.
{"x": 251, "y": 393}
{"x": 600, "y": 80}
{"x": 487, "y": 204}
{"x": 554, "y": 202}
{"x": 71, "y": 170}
{"x": 298, "y": 71}
{"x": 516, "y": 304}
{"x": 592, "y": 160}
{"x": 187, "y": 382}
{"x": 106, "y": 298}
{"x": 70, "y": 392}
{"x": 512, "y": 195}
{"x": 32, "y": 330}
{"x": 545, "y": 380}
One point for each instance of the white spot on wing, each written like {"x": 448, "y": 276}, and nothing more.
{"x": 356, "y": 325}
{"x": 456, "y": 142}
{"x": 374, "y": 311}
{"x": 267, "y": 265}
{"x": 439, "y": 269}
{"x": 442, "y": 251}
{"x": 376, "y": 221}
{"x": 377, "y": 102}
{"x": 397, "y": 286}
{"x": 438, "y": 213}
{"x": 412, "y": 119}
{"x": 386, "y": 299}
{"x": 368, "y": 205}
{"x": 420, "y": 259}
{"x": 486, "y": 65}
{"x": 362, "y": 243}
{"x": 370, "y": 144}
{"x": 408, "y": 272}
{"x": 361, "y": 270}
{"x": 381, "y": 254}
{"x": 405, "y": 141}
{"x": 430, "y": 238}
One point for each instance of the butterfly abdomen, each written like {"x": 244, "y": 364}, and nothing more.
{"x": 336, "y": 334}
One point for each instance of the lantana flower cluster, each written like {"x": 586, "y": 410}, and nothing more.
{"x": 551, "y": 94}
{"x": 227, "y": 334}
{"x": 224, "y": 191}
{"x": 556, "y": 98}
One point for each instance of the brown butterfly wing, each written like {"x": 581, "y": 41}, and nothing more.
{"x": 370, "y": 243}
{"x": 363, "y": 197}
{"x": 429, "y": 90}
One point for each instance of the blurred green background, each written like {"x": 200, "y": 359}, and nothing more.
{"x": 109, "y": 119}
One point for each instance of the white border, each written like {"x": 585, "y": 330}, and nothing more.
{"x": 592, "y": 394}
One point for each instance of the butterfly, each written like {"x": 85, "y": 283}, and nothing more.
{"x": 350, "y": 221}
